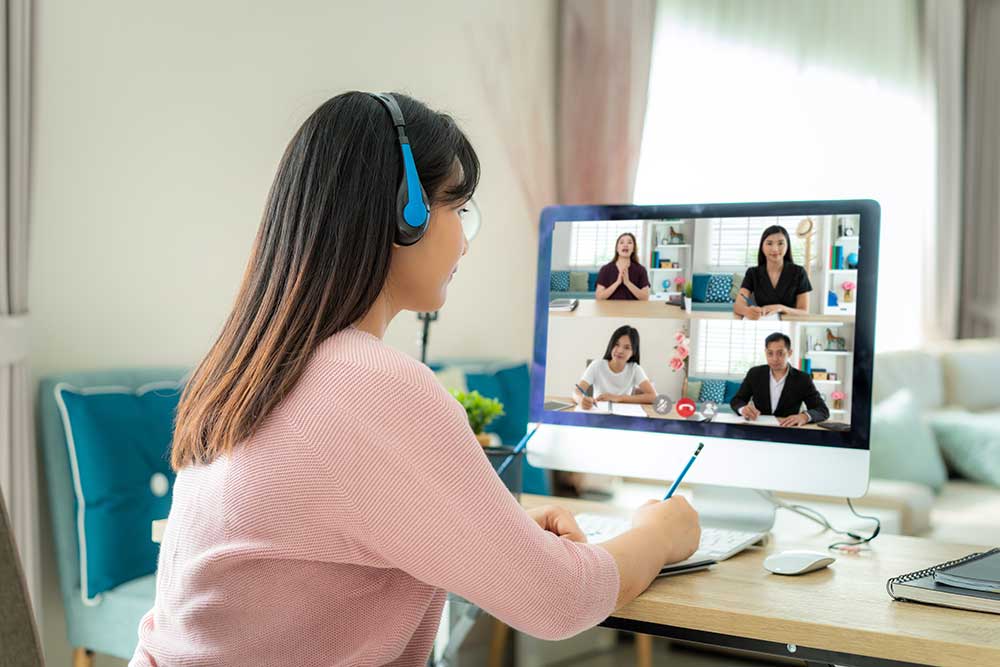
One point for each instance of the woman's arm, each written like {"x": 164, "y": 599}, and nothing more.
{"x": 602, "y": 292}
{"x": 744, "y": 309}
{"x": 410, "y": 488}
{"x": 801, "y": 306}
{"x": 646, "y": 394}
{"x": 640, "y": 293}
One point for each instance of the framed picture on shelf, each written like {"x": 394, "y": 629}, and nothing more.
{"x": 832, "y": 377}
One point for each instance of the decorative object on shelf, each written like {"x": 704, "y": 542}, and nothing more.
{"x": 838, "y": 400}
{"x": 831, "y": 298}
{"x": 852, "y": 260}
{"x": 835, "y": 343}
{"x": 480, "y": 411}
{"x": 679, "y": 282}
{"x": 817, "y": 346}
{"x": 666, "y": 264}
{"x": 676, "y": 238}
{"x": 832, "y": 377}
{"x": 819, "y": 374}
{"x": 848, "y": 288}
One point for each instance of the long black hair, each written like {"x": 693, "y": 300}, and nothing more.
{"x": 320, "y": 259}
{"x": 774, "y": 229}
{"x": 633, "y": 336}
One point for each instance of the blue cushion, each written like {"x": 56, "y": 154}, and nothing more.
{"x": 115, "y": 504}
{"x": 732, "y": 387}
{"x": 592, "y": 281}
{"x": 717, "y": 290}
{"x": 699, "y": 286}
{"x": 558, "y": 281}
{"x": 713, "y": 390}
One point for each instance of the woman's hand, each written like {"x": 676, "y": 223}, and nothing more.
{"x": 608, "y": 397}
{"x": 587, "y": 403}
{"x": 558, "y": 520}
{"x": 623, "y": 276}
{"x": 774, "y": 308}
{"x": 753, "y": 313}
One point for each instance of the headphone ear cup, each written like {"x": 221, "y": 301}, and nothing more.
{"x": 407, "y": 234}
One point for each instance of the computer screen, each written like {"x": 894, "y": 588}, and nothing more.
{"x": 740, "y": 321}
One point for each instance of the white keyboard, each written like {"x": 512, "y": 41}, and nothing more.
{"x": 716, "y": 543}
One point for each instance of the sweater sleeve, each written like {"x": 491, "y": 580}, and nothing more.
{"x": 423, "y": 497}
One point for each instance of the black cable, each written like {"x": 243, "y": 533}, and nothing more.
{"x": 817, "y": 517}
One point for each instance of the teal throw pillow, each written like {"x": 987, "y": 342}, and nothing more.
{"x": 902, "y": 443}
{"x": 559, "y": 281}
{"x": 118, "y": 443}
{"x": 717, "y": 290}
{"x": 699, "y": 287}
{"x": 970, "y": 443}
{"x": 713, "y": 390}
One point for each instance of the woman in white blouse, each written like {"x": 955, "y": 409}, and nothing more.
{"x": 617, "y": 376}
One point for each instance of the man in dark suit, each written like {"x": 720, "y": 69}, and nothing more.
{"x": 779, "y": 389}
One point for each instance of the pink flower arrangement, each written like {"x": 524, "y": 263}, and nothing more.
{"x": 682, "y": 352}
{"x": 679, "y": 283}
{"x": 847, "y": 285}
{"x": 837, "y": 396}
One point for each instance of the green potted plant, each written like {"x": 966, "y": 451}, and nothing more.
{"x": 480, "y": 410}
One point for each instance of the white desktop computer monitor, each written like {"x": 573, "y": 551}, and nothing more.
{"x": 674, "y": 360}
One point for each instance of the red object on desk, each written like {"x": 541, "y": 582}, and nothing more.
{"x": 685, "y": 407}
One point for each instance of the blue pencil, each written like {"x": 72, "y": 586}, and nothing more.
{"x": 517, "y": 450}
{"x": 677, "y": 481}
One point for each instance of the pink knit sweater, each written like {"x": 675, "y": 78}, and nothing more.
{"x": 331, "y": 536}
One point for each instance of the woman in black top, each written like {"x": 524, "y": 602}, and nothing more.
{"x": 623, "y": 277}
{"x": 777, "y": 284}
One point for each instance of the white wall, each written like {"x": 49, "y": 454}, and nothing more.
{"x": 573, "y": 340}
{"x": 158, "y": 126}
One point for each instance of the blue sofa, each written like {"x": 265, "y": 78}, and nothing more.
{"x": 559, "y": 278}
{"x": 109, "y": 627}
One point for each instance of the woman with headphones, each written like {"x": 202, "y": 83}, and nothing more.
{"x": 329, "y": 491}
{"x": 777, "y": 284}
{"x": 623, "y": 277}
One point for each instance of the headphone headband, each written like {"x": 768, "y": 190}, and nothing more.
{"x": 412, "y": 207}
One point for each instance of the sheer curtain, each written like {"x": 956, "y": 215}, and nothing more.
{"x": 777, "y": 99}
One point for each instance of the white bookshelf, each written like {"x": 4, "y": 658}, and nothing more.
{"x": 656, "y": 232}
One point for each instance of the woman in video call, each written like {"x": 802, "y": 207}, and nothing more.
{"x": 623, "y": 277}
{"x": 777, "y": 284}
{"x": 617, "y": 376}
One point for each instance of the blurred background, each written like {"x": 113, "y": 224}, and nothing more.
{"x": 142, "y": 139}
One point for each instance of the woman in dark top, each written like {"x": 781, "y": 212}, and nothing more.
{"x": 777, "y": 284}
{"x": 623, "y": 277}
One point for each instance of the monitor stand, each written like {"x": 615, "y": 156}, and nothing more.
{"x": 733, "y": 508}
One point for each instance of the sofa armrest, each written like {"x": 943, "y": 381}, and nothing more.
{"x": 912, "y": 502}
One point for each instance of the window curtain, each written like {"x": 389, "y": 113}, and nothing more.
{"x": 758, "y": 100}
{"x": 18, "y": 471}
{"x": 979, "y": 306}
{"x": 604, "y": 57}
{"x": 944, "y": 39}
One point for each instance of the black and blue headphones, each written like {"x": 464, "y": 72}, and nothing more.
{"x": 412, "y": 208}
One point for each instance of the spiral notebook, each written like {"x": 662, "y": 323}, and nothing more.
{"x": 921, "y": 587}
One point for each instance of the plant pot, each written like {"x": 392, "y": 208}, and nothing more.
{"x": 488, "y": 439}
{"x": 838, "y": 404}
{"x": 687, "y": 304}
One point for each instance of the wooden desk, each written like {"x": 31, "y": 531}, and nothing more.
{"x": 840, "y": 615}
{"x": 663, "y": 310}
{"x": 653, "y": 414}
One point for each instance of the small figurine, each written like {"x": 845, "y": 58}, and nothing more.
{"x": 676, "y": 237}
{"x": 835, "y": 343}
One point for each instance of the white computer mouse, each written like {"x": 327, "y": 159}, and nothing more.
{"x": 797, "y": 562}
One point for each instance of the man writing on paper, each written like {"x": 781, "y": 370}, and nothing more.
{"x": 779, "y": 389}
